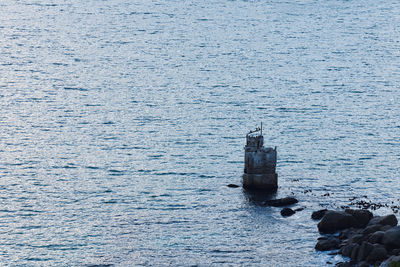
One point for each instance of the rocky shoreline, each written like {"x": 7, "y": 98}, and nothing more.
{"x": 357, "y": 234}
{"x": 360, "y": 236}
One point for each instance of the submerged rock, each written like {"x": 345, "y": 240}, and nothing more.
{"x": 287, "y": 212}
{"x": 281, "y": 202}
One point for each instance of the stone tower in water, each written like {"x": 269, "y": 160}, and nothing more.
{"x": 259, "y": 162}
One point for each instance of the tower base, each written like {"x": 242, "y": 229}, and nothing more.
{"x": 260, "y": 181}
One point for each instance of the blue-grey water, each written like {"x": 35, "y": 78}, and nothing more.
{"x": 122, "y": 122}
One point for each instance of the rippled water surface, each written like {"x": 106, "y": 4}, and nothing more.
{"x": 123, "y": 121}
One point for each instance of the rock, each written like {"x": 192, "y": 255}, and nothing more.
{"x": 393, "y": 261}
{"x": 376, "y": 237}
{"x": 384, "y": 220}
{"x": 374, "y": 220}
{"x": 362, "y": 216}
{"x": 327, "y": 244}
{"x": 384, "y": 228}
{"x": 233, "y": 185}
{"x": 281, "y": 202}
{"x": 367, "y": 240}
{"x": 344, "y": 264}
{"x": 389, "y": 220}
{"x": 347, "y": 249}
{"x": 364, "y": 251}
{"x": 354, "y": 252}
{"x": 336, "y": 220}
{"x": 378, "y": 253}
{"x": 363, "y": 264}
{"x": 317, "y": 215}
{"x": 395, "y": 251}
{"x": 356, "y": 238}
{"x": 391, "y": 238}
{"x": 299, "y": 209}
{"x": 287, "y": 212}
{"x": 372, "y": 229}
{"x": 346, "y": 233}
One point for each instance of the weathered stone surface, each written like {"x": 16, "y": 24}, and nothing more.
{"x": 327, "y": 244}
{"x": 391, "y": 238}
{"x": 375, "y": 241}
{"x": 281, "y": 202}
{"x": 378, "y": 253}
{"x": 376, "y": 237}
{"x": 346, "y": 233}
{"x": 364, "y": 251}
{"x": 287, "y": 212}
{"x": 347, "y": 249}
{"x": 317, "y": 215}
{"x": 374, "y": 220}
{"x": 389, "y": 220}
{"x": 336, "y": 220}
{"x": 356, "y": 238}
{"x": 384, "y": 228}
{"x": 372, "y": 228}
{"x": 363, "y": 264}
{"x": 354, "y": 252}
{"x": 384, "y": 220}
{"x": 362, "y": 216}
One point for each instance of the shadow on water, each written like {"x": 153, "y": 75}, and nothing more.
{"x": 259, "y": 196}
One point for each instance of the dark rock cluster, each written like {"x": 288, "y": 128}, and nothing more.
{"x": 363, "y": 238}
{"x": 281, "y": 202}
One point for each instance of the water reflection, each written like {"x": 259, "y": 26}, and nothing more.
{"x": 259, "y": 196}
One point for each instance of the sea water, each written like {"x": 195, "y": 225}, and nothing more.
{"x": 123, "y": 121}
